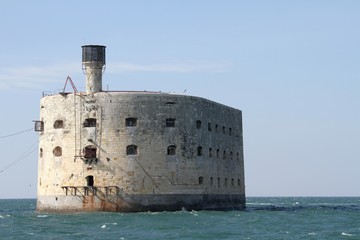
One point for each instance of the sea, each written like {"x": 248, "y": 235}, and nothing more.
{"x": 264, "y": 218}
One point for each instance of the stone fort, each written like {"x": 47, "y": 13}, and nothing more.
{"x": 136, "y": 151}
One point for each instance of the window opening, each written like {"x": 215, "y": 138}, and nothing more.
{"x": 209, "y": 127}
{"x": 224, "y": 154}
{"x": 224, "y": 130}
{"x": 59, "y": 124}
{"x": 217, "y": 153}
{"x": 210, "y": 152}
{"x": 216, "y": 128}
{"x": 90, "y": 122}
{"x": 199, "y": 151}
{"x": 226, "y": 182}
{"x": 211, "y": 181}
{"x": 201, "y": 180}
{"x": 230, "y": 131}
{"x": 171, "y": 150}
{"x": 198, "y": 124}
{"x": 57, "y": 151}
{"x": 41, "y": 152}
{"x": 239, "y": 182}
{"x": 232, "y": 182}
{"x": 131, "y": 122}
{"x": 131, "y": 150}
{"x": 90, "y": 151}
{"x": 170, "y": 122}
{"x": 231, "y": 155}
{"x": 90, "y": 181}
{"x": 218, "y": 182}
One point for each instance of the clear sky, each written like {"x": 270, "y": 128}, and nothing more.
{"x": 292, "y": 67}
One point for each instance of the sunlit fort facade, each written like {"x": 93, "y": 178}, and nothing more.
{"x": 136, "y": 151}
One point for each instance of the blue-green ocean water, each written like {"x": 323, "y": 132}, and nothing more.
{"x": 264, "y": 218}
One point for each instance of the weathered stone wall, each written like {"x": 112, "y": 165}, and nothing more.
{"x": 207, "y": 136}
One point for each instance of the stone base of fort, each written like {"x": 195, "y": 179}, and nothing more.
{"x": 141, "y": 202}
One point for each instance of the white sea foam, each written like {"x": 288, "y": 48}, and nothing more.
{"x": 103, "y": 226}
{"x": 42, "y": 216}
{"x": 1, "y": 216}
{"x": 312, "y": 234}
{"x": 347, "y": 234}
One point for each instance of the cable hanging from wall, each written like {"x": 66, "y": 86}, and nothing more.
{"x": 21, "y": 157}
{"x": 17, "y": 133}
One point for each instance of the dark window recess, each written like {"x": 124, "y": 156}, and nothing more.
{"x": 211, "y": 181}
{"x": 201, "y": 180}
{"x": 199, "y": 151}
{"x": 232, "y": 182}
{"x": 39, "y": 126}
{"x": 210, "y": 152}
{"x": 239, "y": 182}
{"x": 237, "y": 156}
{"x": 216, "y": 128}
{"x": 59, "y": 124}
{"x": 226, "y": 182}
{"x": 209, "y": 127}
{"x": 224, "y": 130}
{"x": 171, "y": 150}
{"x": 224, "y": 154}
{"x": 90, "y": 122}
{"x": 198, "y": 124}
{"x": 90, "y": 181}
{"x": 90, "y": 151}
{"x": 41, "y": 152}
{"x": 218, "y": 153}
{"x": 170, "y": 122}
{"x": 57, "y": 151}
{"x": 230, "y": 131}
{"x": 231, "y": 155}
{"x": 170, "y": 103}
{"x": 131, "y": 150}
{"x": 131, "y": 122}
{"x": 218, "y": 182}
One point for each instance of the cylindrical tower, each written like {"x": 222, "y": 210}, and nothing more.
{"x": 93, "y": 61}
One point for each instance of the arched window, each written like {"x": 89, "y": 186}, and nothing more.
{"x": 198, "y": 124}
{"x": 131, "y": 122}
{"x": 90, "y": 151}
{"x": 231, "y": 155}
{"x": 230, "y": 131}
{"x": 170, "y": 122}
{"x": 217, "y": 153}
{"x": 41, "y": 152}
{"x": 90, "y": 181}
{"x": 90, "y": 122}
{"x": 57, "y": 151}
{"x": 216, "y": 127}
{"x": 211, "y": 181}
{"x": 59, "y": 124}
{"x": 237, "y": 156}
{"x": 131, "y": 150}
{"x": 239, "y": 182}
{"x": 171, "y": 150}
{"x": 232, "y": 182}
{"x": 224, "y": 154}
{"x": 199, "y": 151}
{"x": 226, "y": 182}
{"x": 224, "y": 130}
{"x": 210, "y": 152}
{"x": 209, "y": 127}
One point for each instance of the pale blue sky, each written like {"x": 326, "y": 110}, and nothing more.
{"x": 292, "y": 67}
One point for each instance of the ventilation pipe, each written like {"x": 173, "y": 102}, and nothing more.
{"x": 93, "y": 65}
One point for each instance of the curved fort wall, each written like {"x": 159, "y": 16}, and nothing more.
{"x": 135, "y": 151}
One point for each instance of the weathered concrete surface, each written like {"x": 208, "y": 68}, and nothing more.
{"x": 206, "y": 170}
